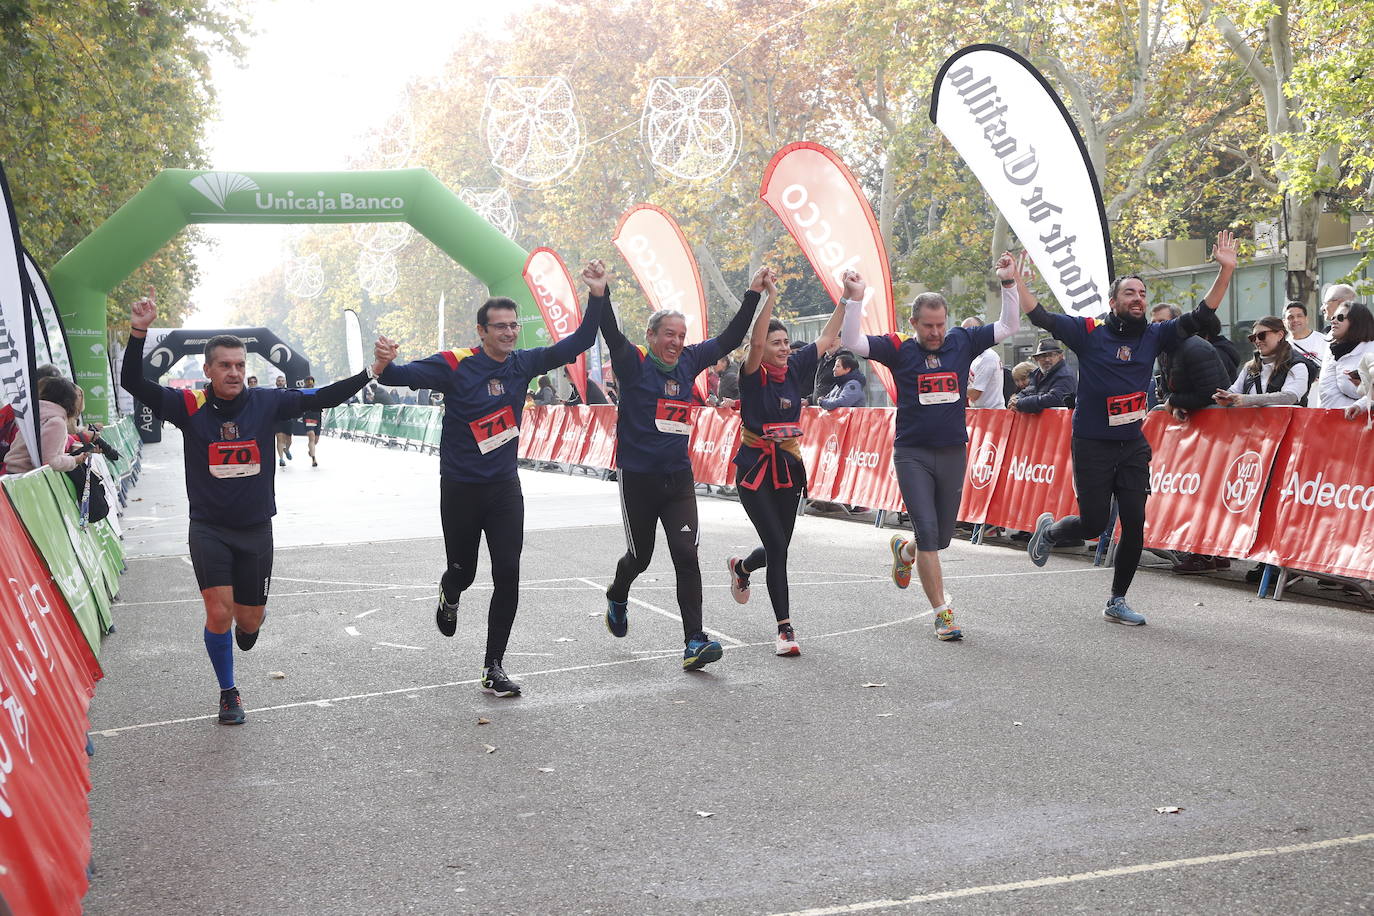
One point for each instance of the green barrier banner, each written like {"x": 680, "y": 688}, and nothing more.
{"x": 84, "y": 544}
{"x": 414, "y": 422}
{"x": 434, "y": 428}
{"x": 372, "y": 420}
{"x": 111, "y": 553}
{"x": 32, "y": 498}
{"x": 391, "y": 420}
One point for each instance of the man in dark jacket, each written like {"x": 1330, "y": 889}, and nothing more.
{"x": 826, "y": 376}
{"x": 848, "y": 390}
{"x": 1051, "y": 385}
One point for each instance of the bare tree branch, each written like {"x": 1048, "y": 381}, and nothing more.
{"x": 1256, "y": 170}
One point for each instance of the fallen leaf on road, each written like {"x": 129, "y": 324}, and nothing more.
{"x": 482, "y": 721}
{"x": 594, "y": 614}
{"x": 276, "y": 675}
{"x": 546, "y": 769}
{"x": 1168, "y": 809}
{"x": 489, "y": 748}
{"x": 1016, "y": 724}
{"x": 706, "y": 814}
{"x": 872, "y": 685}
{"x": 884, "y": 715}
{"x": 565, "y": 639}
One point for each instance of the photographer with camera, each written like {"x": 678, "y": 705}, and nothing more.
{"x": 59, "y": 405}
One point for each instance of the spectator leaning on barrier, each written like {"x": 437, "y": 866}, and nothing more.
{"x": 59, "y": 404}
{"x": 1051, "y": 384}
{"x": 1278, "y": 375}
{"x": 985, "y": 375}
{"x": 849, "y": 388}
{"x": 826, "y": 377}
{"x": 1020, "y": 377}
{"x": 545, "y": 396}
{"x": 1352, "y": 338}
{"x": 1189, "y": 374}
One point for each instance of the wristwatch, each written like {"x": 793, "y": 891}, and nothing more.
{"x": 1009, "y": 282}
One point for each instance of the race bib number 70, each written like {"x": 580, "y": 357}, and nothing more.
{"x": 235, "y": 459}
{"x": 1125, "y": 408}
{"x": 494, "y": 430}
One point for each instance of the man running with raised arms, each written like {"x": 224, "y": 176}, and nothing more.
{"x": 931, "y": 371}
{"x": 653, "y": 428}
{"x": 479, "y": 483}
{"x": 227, "y": 430}
{"x": 1111, "y": 457}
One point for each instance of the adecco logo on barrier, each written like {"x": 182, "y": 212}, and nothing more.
{"x": 1023, "y": 469}
{"x": 830, "y": 453}
{"x": 1178, "y": 484}
{"x": 984, "y": 463}
{"x": 1322, "y": 492}
{"x": 1242, "y": 482}
{"x": 861, "y": 459}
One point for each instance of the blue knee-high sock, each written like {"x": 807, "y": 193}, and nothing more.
{"x": 220, "y": 646}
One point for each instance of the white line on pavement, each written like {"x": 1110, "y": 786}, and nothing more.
{"x": 352, "y": 631}
{"x": 1079, "y": 877}
{"x": 658, "y": 610}
{"x": 365, "y": 613}
{"x": 396, "y": 645}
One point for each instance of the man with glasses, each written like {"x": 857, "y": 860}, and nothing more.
{"x": 479, "y": 484}
{"x": 1051, "y": 384}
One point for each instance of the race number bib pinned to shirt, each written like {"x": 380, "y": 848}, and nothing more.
{"x": 937, "y": 388}
{"x": 1125, "y": 408}
{"x": 311, "y": 423}
{"x": 782, "y": 431}
{"x": 494, "y": 430}
{"x": 235, "y": 459}
{"x": 673, "y": 417}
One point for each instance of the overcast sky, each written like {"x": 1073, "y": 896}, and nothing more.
{"x": 317, "y": 75}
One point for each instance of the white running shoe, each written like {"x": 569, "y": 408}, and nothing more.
{"x": 739, "y": 585}
{"x": 787, "y": 642}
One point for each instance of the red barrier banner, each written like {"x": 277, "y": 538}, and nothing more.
{"x": 549, "y": 424}
{"x": 1318, "y": 512}
{"x": 715, "y": 431}
{"x": 47, "y": 673}
{"x": 988, "y": 433}
{"x": 823, "y": 438}
{"x": 600, "y": 452}
{"x": 651, "y": 241}
{"x": 1207, "y": 477}
{"x": 866, "y": 466}
{"x": 1037, "y": 471}
{"x": 529, "y": 422}
{"x": 556, "y": 295}
{"x": 571, "y": 443}
{"x": 826, "y": 212}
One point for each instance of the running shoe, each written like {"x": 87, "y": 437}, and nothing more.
{"x": 945, "y": 627}
{"x": 313, "y": 462}
{"x": 230, "y": 707}
{"x": 700, "y": 652}
{"x": 1038, "y": 547}
{"x": 281, "y": 462}
{"x": 446, "y": 617}
{"x": 494, "y": 680}
{"x": 901, "y": 569}
{"x": 617, "y": 617}
{"x": 1118, "y": 611}
{"x": 288, "y": 455}
{"x": 245, "y": 639}
{"x": 739, "y": 585}
{"x": 787, "y": 642}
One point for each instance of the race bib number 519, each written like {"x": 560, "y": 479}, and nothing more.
{"x": 937, "y": 388}
{"x": 494, "y": 430}
{"x": 673, "y": 417}
{"x": 1125, "y": 408}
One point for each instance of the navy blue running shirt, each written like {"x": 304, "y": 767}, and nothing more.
{"x": 654, "y": 416}
{"x": 932, "y": 385}
{"x": 484, "y": 400}
{"x": 1114, "y": 369}
{"x": 763, "y": 403}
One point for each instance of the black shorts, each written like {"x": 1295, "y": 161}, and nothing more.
{"x": 1111, "y": 466}
{"x": 286, "y": 427}
{"x": 237, "y": 557}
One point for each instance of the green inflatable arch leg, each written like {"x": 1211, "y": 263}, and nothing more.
{"x": 176, "y": 198}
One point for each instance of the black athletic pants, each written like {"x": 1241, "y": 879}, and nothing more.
{"x": 1103, "y": 468}
{"x": 774, "y": 514}
{"x": 466, "y": 511}
{"x": 647, "y": 499}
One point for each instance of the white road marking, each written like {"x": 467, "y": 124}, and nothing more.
{"x": 1079, "y": 877}
{"x": 669, "y": 614}
{"x": 365, "y": 613}
{"x": 396, "y": 645}
{"x": 352, "y": 631}
{"x": 368, "y": 584}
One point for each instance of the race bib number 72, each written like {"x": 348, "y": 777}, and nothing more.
{"x": 673, "y": 417}
{"x": 235, "y": 459}
{"x": 494, "y": 430}
{"x": 1125, "y": 408}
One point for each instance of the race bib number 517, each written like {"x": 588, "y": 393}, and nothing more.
{"x": 1125, "y": 408}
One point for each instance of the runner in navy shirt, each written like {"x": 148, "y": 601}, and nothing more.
{"x": 653, "y": 428}
{"x": 479, "y": 485}
{"x": 227, "y": 431}
{"x": 1111, "y": 458}
{"x": 931, "y": 371}
{"x": 769, "y": 470}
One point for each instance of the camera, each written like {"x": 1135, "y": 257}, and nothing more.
{"x": 93, "y": 443}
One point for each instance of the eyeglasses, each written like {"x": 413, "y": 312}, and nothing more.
{"x": 503, "y": 326}
{"x": 1260, "y": 336}
{"x": 1341, "y": 317}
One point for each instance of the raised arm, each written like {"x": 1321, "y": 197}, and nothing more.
{"x": 1009, "y": 269}
{"x": 852, "y": 335}
{"x": 831, "y": 332}
{"x": 142, "y": 314}
{"x": 728, "y": 341}
{"x": 332, "y": 395}
{"x": 1224, "y": 253}
{"x": 763, "y": 281}
{"x": 595, "y": 276}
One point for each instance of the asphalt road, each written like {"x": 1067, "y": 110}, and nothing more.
{"x": 1019, "y": 770}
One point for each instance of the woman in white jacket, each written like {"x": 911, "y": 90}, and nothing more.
{"x": 59, "y": 402}
{"x": 1352, "y": 337}
{"x": 1275, "y": 377}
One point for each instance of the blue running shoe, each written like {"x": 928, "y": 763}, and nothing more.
{"x": 230, "y": 707}
{"x": 617, "y": 617}
{"x": 945, "y": 627}
{"x": 700, "y": 652}
{"x": 1038, "y": 547}
{"x": 1118, "y": 611}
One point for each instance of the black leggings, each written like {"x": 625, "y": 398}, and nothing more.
{"x": 466, "y": 510}
{"x": 774, "y": 514}
{"x": 1103, "y": 469}
{"x": 646, "y": 499}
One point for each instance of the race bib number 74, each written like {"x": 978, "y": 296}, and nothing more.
{"x": 494, "y": 430}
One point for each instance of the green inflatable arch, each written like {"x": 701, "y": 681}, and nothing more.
{"x": 176, "y": 198}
